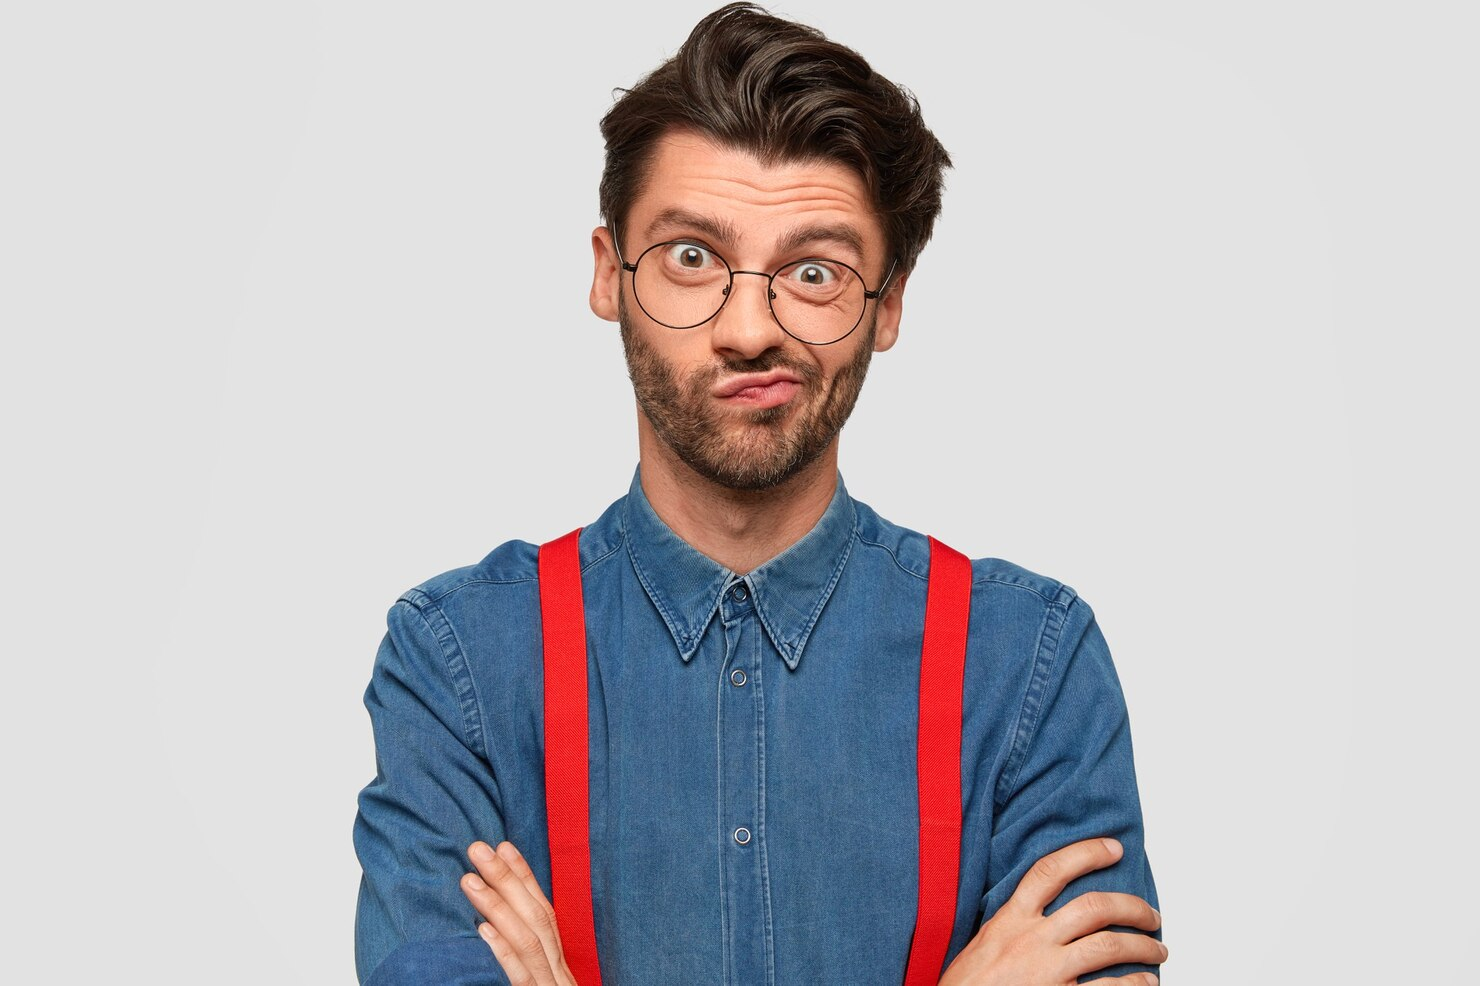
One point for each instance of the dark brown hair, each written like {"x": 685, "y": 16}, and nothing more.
{"x": 784, "y": 92}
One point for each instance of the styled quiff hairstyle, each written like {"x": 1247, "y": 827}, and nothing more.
{"x": 783, "y": 92}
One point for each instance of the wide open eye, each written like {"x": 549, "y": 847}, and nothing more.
{"x": 689, "y": 256}
{"x": 813, "y": 273}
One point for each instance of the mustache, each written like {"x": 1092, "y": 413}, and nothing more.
{"x": 770, "y": 360}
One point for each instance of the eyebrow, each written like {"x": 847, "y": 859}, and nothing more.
{"x": 721, "y": 230}
{"x": 727, "y": 234}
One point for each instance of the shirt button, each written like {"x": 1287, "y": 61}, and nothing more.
{"x": 739, "y": 593}
{"x": 742, "y": 835}
{"x": 737, "y": 677}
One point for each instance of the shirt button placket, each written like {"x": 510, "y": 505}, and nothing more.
{"x": 741, "y": 745}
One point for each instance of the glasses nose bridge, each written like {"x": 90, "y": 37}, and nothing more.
{"x": 755, "y": 273}
{"x": 729, "y": 289}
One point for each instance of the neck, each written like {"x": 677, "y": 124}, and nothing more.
{"x": 739, "y": 529}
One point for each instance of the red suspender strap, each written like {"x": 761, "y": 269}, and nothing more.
{"x": 567, "y": 783}
{"x": 942, "y": 671}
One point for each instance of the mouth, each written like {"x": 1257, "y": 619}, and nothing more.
{"x": 759, "y": 390}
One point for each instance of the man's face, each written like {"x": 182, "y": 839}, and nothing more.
{"x": 728, "y": 202}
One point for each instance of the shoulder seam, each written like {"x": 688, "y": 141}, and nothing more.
{"x": 892, "y": 555}
{"x": 437, "y": 599}
{"x": 1016, "y": 585}
{"x": 982, "y": 580}
{"x": 455, "y": 664}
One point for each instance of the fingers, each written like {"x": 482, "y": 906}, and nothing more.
{"x": 1134, "y": 979}
{"x": 1093, "y": 911}
{"x": 508, "y": 959}
{"x": 1113, "y": 947}
{"x": 1048, "y": 877}
{"x": 516, "y": 861}
{"x": 502, "y": 897}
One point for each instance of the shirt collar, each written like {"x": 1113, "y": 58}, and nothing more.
{"x": 789, "y": 591}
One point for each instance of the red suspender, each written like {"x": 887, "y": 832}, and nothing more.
{"x": 567, "y": 782}
{"x": 938, "y": 766}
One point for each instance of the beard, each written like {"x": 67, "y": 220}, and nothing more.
{"x": 742, "y": 448}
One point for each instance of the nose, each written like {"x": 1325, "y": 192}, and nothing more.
{"x": 745, "y": 325}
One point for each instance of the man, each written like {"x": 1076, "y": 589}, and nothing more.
{"x": 753, "y": 633}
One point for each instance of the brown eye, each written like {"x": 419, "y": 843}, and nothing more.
{"x": 813, "y": 275}
{"x": 689, "y": 256}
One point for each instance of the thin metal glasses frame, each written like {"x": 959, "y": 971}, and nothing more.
{"x": 770, "y": 292}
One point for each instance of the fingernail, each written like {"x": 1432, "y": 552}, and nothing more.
{"x": 482, "y": 853}
{"x": 1112, "y": 845}
{"x": 486, "y": 930}
{"x": 476, "y": 883}
{"x": 1154, "y": 978}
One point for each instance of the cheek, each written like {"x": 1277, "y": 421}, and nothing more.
{"x": 690, "y": 365}
{"x": 836, "y": 365}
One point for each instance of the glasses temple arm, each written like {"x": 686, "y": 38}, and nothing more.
{"x": 883, "y": 287}
{"x": 617, "y": 242}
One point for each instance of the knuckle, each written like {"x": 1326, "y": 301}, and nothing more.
{"x": 527, "y": 942}
{"x": 1046, "y": 870}
{"x": 546, "y": 921}
{"x": 1097, "y": 905}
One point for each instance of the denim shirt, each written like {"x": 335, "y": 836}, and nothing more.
{"x": 784, "y": 702}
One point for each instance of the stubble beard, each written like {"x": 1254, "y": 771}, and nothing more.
{"x": 742, "y": 448}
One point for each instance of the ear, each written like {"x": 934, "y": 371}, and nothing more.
{"x": 606, "y": 279}
{"x": 891, "y": 307}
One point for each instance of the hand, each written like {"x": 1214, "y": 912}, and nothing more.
{"x": 520, "y": 925}
{"x": 1020, "y": 946}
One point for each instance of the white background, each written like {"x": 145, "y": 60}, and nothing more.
{"x": 294, "y": 313}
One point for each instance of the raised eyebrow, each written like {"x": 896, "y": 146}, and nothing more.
{"x": 721, "y": 230}
{"x": 834, "y": 232}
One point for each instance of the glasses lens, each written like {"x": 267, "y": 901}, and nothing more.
{"x": 818, "y": 301}
{"x": 680, "y": 284}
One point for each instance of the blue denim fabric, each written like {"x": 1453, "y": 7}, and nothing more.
{"x": 812, "y": 750}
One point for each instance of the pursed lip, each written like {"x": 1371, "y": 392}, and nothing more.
{"x": 736, "y": 384}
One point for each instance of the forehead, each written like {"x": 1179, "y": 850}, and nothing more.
{"x": 760, "y": 203}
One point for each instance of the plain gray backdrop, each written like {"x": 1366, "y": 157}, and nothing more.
{"x": 294, "y": 312}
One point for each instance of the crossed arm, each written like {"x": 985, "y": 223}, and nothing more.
{"x": 1055, "y": 897}
{"x": 1019, "y": 944}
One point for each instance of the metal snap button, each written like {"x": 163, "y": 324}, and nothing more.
{"x": 740, "y": 593}
{"x": 742, "y": 835}
{"x": 737, "y": 677}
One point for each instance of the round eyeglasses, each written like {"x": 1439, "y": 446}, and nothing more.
{"x": 683, "y": 284}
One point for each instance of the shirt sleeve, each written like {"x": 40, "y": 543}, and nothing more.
{"x": 1070, "y": 774}
{"x": 433, "y": 795}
